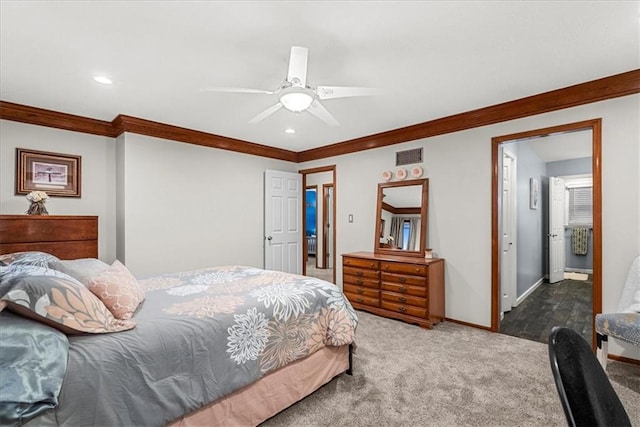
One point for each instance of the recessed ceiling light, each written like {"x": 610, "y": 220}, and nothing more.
{"x": 289, "y": 130}
{"x": 103, "y": 79}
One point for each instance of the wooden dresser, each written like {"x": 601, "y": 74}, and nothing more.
{"x": 65, "y": 236}
{"x": 405, "y": 288}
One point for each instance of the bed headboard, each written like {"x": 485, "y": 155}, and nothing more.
{"x": 65, "y": 236}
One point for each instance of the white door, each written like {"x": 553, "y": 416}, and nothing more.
{"x": 283, "y": 221}
{"x": 556, "y": 229}
{"x": 509, "y": 260}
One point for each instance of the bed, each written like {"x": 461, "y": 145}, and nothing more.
{"x": 226, "y": 345}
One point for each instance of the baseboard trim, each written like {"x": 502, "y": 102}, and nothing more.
{"x": 623, "y": 359}
{"x": 472, "y": 325}
{"x": 529, "y": 291}
{"x": 579, "y": 270}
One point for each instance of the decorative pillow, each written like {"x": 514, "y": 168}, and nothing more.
{"x": 82, "y": 269}
{"x": 19, "y": 270}
{"x": 57, "y": 300}
{"x": 118, "y": 290}
{"x": 42, "y": 259}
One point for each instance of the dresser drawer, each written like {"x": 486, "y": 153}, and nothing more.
{"x": 359, "y": 281}
{"x": 361, "y": 272}
{"x": 399, "y": 267}
{"x": 359, "y": 262}
{"x": 361, "y": 299}
{"x": 419, "y": 291}
{"x": 404, "y": 279}
{"x": 405, "y": 309}
{"x": 362, "y": 291}
{"x": 404, "y": 299}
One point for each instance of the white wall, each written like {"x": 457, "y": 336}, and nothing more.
{"x": 98, "y": 176}
{"x": 162, "y": 205}
{"x": 188, "y": 207}
{"x": 185, "y": 206}
{"x": 459, "y": 170}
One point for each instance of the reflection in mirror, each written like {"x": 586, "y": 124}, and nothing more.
{"x": 402, "y": 217}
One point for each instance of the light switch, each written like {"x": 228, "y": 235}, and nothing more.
{"x": 350, "y": 217}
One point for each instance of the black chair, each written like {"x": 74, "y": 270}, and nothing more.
{"x": 587, "y": 397}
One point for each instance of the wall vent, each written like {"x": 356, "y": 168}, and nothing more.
{"x": 408, "y": 157}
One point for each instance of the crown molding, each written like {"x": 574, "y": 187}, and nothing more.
{"x": 55, "y": 119}
{"x": 139, "y": 126}
{"x": 584, "y": 93}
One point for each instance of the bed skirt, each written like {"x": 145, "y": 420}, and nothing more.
{"x": 273, "y": 393}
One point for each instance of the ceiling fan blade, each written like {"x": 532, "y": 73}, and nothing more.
{"x": 297, "y": 74}
{"x": 320, "y": 112}
{"x": 266, "y": 113}
{"x": 328, "y": 92}
{"x": 236, "y": 90}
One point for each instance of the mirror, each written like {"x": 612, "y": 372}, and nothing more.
{"x": 401, "y": 223}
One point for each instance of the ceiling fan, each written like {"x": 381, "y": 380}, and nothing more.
{"x": 295, "y": 95}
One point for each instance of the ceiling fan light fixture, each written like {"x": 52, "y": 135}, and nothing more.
{"x": 103, "y": 79}
{"x": 296, "y": 101}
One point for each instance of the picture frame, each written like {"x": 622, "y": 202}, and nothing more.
{"x": 59, "y": 175}
{"x": 533, "y": 193}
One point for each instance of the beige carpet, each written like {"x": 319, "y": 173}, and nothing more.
{"x": 452, "y": 375}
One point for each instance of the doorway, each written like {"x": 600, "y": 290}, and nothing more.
{"x": 319, "y": 252}
{"x": 532, "y": 137}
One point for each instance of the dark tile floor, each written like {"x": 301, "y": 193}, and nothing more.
{"x": 566, "y": 303}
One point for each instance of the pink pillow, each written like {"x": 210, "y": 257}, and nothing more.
{"x": 118, "y": 290}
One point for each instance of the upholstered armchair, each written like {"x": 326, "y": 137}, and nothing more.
{"x": 625, "y": 323}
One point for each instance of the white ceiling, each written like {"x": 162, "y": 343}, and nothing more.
{"x": 573, "y": 145}
{"x": 430, "y": 59}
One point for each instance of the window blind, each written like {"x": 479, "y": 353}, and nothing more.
{"x": 580, "y": 206}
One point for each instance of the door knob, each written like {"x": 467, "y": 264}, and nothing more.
{"x": 269, "y": 238}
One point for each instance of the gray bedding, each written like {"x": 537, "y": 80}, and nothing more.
{"x": 33, "y": 360}
{"x": 200, "y": 335}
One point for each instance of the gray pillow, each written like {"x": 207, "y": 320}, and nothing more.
{"x": 41, "y": 259}
{"x": 82, "y": 269}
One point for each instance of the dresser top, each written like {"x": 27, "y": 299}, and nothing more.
{"x": 396, "y": 258}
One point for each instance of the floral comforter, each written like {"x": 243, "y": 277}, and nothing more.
{"x": 200, "y": 335}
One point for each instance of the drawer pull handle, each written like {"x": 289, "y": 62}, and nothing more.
{"x": 359, "y": 282}
{"x": 402, "y": 309}
{"x": 402, "y": 299}
{"x": 417, "y": 270}
{"x": 372, "y": 265}
{"x": 403, "y": 279}
{"x": 359, "y": 299}
{"x": 402, "y": 289}
{"x": 359, "y": 273}
{"x": 360, "y": 291}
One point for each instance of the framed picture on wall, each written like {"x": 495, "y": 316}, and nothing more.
{"x": 533, "y": 193}
{"x": 54, "y": 173}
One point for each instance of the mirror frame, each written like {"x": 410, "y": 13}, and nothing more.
{"x": 424, "y": 183}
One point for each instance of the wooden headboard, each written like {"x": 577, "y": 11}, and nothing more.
{"x": 65, "y": 236}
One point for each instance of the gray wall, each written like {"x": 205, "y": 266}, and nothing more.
{"x": 564, "y": 168}
{"x": 533, "y": 224}
{"x": 530, "y": 224}
{"x": 569, "y": 167}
